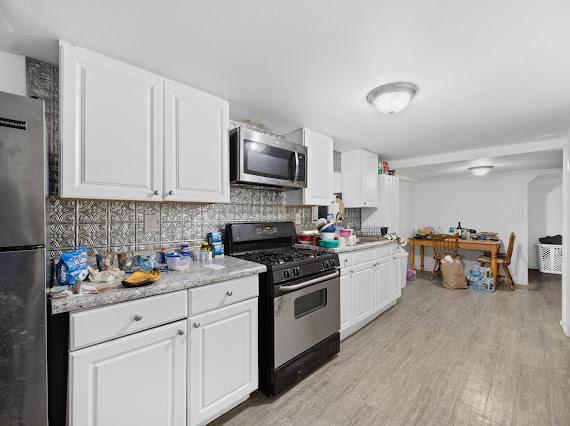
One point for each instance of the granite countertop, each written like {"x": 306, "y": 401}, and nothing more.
{"x": 198, "y": 274}
{"x": 359, "y": 246}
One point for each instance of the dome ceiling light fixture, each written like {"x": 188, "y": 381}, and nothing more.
{"x": 480, "y": 170}
{"x": 392, "y": 98}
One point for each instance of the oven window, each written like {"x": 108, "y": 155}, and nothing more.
{"x": 268, "y": 161}
{"x": 311, "y": 302}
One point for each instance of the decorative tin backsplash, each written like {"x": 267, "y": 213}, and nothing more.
{"x": 106, "y": 225}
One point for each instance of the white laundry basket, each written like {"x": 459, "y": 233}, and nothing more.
{"x": 550, "y": 258}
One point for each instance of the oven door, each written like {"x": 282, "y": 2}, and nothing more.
{"x": 305, "y": 314}
{"x": 268, "y": 161}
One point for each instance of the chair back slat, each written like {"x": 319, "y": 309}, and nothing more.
{"x": 444, "y": 244}
{"x": 510, "y": 248}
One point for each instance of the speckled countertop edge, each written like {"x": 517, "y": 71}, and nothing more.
{"x": 359, "y": 246}
{"x": 197, "y": 275}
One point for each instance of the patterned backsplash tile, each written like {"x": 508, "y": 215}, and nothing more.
{"x": 119, "y": 225}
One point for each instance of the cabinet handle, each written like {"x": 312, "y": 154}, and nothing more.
{"x": 155, "y": 192}
{"x": 138, "y": 317}
{"x": 196, "y": 324}
{"x": 171, "y": 192}
{"x": 181, "y": 332}
{"x": 229, "y": 293}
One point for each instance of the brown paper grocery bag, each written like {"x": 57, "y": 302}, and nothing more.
{"x": 453, "y": 275}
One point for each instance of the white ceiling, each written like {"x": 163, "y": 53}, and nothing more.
{"x": 541, "y": 160}
{"x": 488, "y": 72}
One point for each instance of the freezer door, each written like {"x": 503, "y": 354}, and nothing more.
{"x": 22, "y": 171}
{"x": 23, "y": 371}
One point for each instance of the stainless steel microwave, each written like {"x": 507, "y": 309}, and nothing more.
{"x": 260, "y": 159}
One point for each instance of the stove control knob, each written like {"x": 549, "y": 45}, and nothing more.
{"x": 286, "y": 273}
{"x": 296, "y": 272}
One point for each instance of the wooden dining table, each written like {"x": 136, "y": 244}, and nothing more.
{"x": 479, "y": 245}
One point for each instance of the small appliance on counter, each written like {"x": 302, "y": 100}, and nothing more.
{"x": 299, "y": 302}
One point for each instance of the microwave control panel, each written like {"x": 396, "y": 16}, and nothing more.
{"x": 301, "y": 174}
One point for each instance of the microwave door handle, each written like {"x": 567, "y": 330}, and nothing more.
{"x": 296, "y": 166}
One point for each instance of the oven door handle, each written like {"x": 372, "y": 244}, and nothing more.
{"x": 287, "y": 289}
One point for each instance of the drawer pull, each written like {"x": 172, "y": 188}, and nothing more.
{"x": 229, "y": 293}
{"x": 155, "y": 192}
{"x": 196, "y": 324}
{"x": 180, "y": 332}
{"x": 138, "y": 317}
{"x": 171, "y": 192}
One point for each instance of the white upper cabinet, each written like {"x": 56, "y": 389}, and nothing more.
{"x": 111, "y": 128}
{"x": 112, "y": 132}
{"x": 319, "y": 191}
{"x": 196, "y": 161}
{"x": 387, "y": 212}
{"x": 359, "y": 178}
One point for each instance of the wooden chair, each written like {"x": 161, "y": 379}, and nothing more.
{"x": 443, "y": 245}
{"x": 503, "y": 259}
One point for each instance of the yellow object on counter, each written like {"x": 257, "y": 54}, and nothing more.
{"x": 138, "y": 279}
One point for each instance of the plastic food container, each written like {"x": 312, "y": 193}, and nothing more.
{"x": 185, "y": 259}
{"x": 345, "y": 232}
{"x": 327, "y": 236}
{"x": 173, "y": 261}
{"x": 329, "y": 243}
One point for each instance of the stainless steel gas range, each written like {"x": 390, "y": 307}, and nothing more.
{"x": 299, "y": 302}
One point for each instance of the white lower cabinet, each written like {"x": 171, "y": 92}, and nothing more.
{"x": 222, "y": 366}
{"x": 135, "y": 380}
{"x": 363, "y": 291}
{"x": 345, "y": 301}
{"x": 383, "y": 284}
{"x": 182, "y": 358}
{"x": 369, "y": 285}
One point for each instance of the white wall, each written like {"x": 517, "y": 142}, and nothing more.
{"x": 544, "y": 211}
{"x": 12, "y": 73}
{"x": 497, "y": 202}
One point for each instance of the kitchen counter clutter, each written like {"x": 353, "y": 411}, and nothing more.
{"x": 360, "y": 246}
{"x": 198, "y": 274}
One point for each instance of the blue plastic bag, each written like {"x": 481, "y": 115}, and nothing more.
{"x": 72, "y": 266}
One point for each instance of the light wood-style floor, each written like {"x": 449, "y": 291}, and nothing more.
{"x": 439, "y": 357}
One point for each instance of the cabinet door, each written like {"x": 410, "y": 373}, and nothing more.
{"x": 395, "y": 281}
{"x": 345, "y": 301}
{"x": 383, "y": 290}
{"x": 111, "y": 128}
{"x": 135, "y": 380}
{"x": 363, "y": 291}
{"x": 223, "y": 360}
{"x": 319, "y": 168}
{"x": 370, "y": 179}
{"x": 196, "y": 166}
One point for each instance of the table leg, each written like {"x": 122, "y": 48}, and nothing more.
{"x": 412, "y": 260}
{"x": 421, "y": 258}
{"x": 494, "y": 265}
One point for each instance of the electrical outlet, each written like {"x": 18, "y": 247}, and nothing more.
{"x": 297, "y": 218}
{"x": 151, "y": 223}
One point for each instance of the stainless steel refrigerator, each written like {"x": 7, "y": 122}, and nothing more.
{"x": 23, "y": 372}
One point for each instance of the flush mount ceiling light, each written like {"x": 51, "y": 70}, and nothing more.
{"x": 480, "y": 170}
{"x": 393, "y": 97}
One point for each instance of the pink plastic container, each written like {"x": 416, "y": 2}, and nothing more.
{"x": 345, "y": 232}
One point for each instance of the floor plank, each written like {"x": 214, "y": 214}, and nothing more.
{"x": 439, "y": 357}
